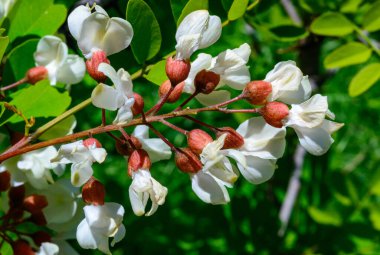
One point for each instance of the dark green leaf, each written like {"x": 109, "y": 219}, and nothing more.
{"x": 191, "y": 6}
{"x": 332, "y": 24}
{"x": 364, "y": 79}
{"x": 349, "y": 54}
{"x": 177, "y": 7}
{"x": 157, "y": 73}
{"x": 4, "y": 41}
{"x": 237, "y": 9}
{"x": 288, "y": 33}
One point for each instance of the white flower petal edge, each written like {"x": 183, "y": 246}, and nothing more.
{"x": 209, "y": 189}
{"x": 48, "y": 249}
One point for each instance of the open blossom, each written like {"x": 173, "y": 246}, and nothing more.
{"x": 52, "y": 53}
{"x": 81, "y": 156}
{"x": 98, "y": 32}
{"x": 230, "y": 65}
{"x": 100, "y": 223}
{"x": 119, "y": 96}
{"x": 48, "y": 249}
{"x": 197, "y": 30}
{"x": 313, "y": 130}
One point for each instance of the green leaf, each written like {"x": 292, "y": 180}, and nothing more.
{"x": 40, "y": 100}
{"x": 146, "y": 42}
{"x": 191, "y": 6}
{"x": 364, "y": 79}
{"x": 332, "y": 24}
{"x": 325, "y": 217}
{"x": 349, "y": 54}
{"x": 288, "y": 33}
{"x": 374, "y": 216}
{"x": 350, "y": 6}
{"x": 157, "y": 73}
{"x": 63, "y": 128}
{"x": 4, "y": 41}
{"x": 227, "y": 4}
{"x": 371, "y": 20}
{"x": 37, "y": 17}
{"x": 374, "y": 185}
{"x": 6, "y": 249}
{"x": 237, "y": 9}
{"x": 177, "y": 7}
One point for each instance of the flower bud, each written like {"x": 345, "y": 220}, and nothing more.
{"x": 38, "y": 219}
{"x": 177, "y": 70}
{"x": 125, "y": 148}
{"x": 93, "y": 192}
{"x": 16, "y": 196}
{"x": 233, "y": 139}
{"x": 197, "y": 139}
{"x": 40, "y": 237}
{"x": 274, "y": 113}
{"x": 5, "y": 181}
{"x": 36, "y": 74}
{"x": 206, "y": 81}
{"x": 256, "y": 92}
{"x": 138, "y": 106}
{"x": 176, "y": 93}
{"x": 21, "y": 247}
{"x": 139, "y": 159}
{"x": 34, "y": 203}
{"x": 91, "y": 141}
{"x": 187, "y": 161}
{"x": 92, "y": 65}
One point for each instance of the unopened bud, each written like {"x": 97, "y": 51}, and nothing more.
{"x": 89, "y": 142}
{"x": 21, "y": 247}
{"x": 138, "y": 106}
{"x": 257, "y": 92}
{"x": 38, "y": 219}
{"x": 124, "y": 148}
{"x": 197, "y": 139}
{"x": 36, "y": 74}
{"x": 93, "y": 192}
{"x": 34, "y": 203}
{"x": 177, "y": 70}
{"x": 206, "y": 81}
{"x": 176, "y": 93}
{"x": 92, "y": 65}
{"x": 139, "y": 159}
{"x": 40, "y": 237}
{"x": 233, "y": 139}
{"x": 274, "y": 113}
{"x": 16, "y": 196}
{"x": 187, "y": 161}
{"x": 5, "y": 181}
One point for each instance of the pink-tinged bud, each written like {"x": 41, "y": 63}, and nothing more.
{"x": 274, "y": 113}
{"x": 197, "y": 139}
{"x": 89, "y": 142}
{"x": 256, "y": 92}
{"x": 139, "y": 159}
{"x": 233, "y": 139}
{"x": 34, "y": 203}
{"x": 40, "y": 237}
{"x": 92, "y": 65}
{"x": 5, "y": 181}
{"x": 206, "y": 81}
{"x": 124, "y": 148}
{"x": 138, "y": 106}
{"x": 16, "y": 196}
{"x": 176, "y": 93}
{"x": 21, "y": 247}
{"x": 38, "y": 219}
{"x": 187, "y": 161}
{"x": 93, "y": 192}
{"x": 177, "y": 70}
{"x": 36, "y": 74}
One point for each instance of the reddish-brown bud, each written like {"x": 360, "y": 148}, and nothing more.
{"x": 40, "y": 237}
{"x": 177, "y": 70}
{"x": 21, "y": 247}
{"x": 93, "y": 192}
{"x": 38, "y": 219}
{"x": 257, "y": 92}
{"x": 34, "y": 203}
{"x": 36, "y": 74}
{"x": 16, "y": 196}
{"x": 187, "y": 161}
{"x": 138, "y": 106}
{"x": 125, "y": 148}
{"x": 91, "y": 141}
{"x": 197, "y": 139}
{"x": 274, "y": 113}
{"x": 176, "y": 93}
{"x": 92, "y": 65}
{"x": 233, "y": 139}
{"x": 206, "y": 81}
{"x": 139, "y": 159}
{"x": 5, "y": 181}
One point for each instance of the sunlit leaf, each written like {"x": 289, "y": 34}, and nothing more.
{"x": 191, "y": 6}
{"x": 4, "y": 41}
{"x": 157, "y": 73}
{"x": 364, "y": 79}
{"x": 332, "y": 24}
{"x": 349, "y": 54}
{"x": 63, "y": 128}
{"x": 237, "y": 9}
{"x": 371, "y": 20}
{"x": 324, "y": 217}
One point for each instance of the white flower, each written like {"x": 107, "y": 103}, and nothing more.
{"x": 48, "y": 249}
{"x": 5, "y": 7}
{"x": 197, "y": 30}
{"x": 98, "y": 32}
{"x": 52, "y": 53}
{"x": 118, "y": 97}
{"x": 100, "y": 223}
{"x": 313, "y": 130}
{"x": 232, "y": 67}
{"x": 81, "y": 157}
{"x": 143, "y": 187}
{"x": 288, "y": 83}
{"x": 155, "y": 147}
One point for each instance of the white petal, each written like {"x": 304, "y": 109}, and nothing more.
{"x": 212, "y": 32}
{"x": 125, "y": 113}
{"x": 119, "y": 235}
{"x": 244, "y": 51}
{"x": 124, "y": 83}
{"x": 215, "y": 97}
{"x": 156, "y": 148}
{"x": 48, "y": 249}
{"x": 136, "y": 199}
{"x": 187, "y": 45}
{"x": 72, "y": 71}
{"x": 118, "y": 36}
{"x": 76, "y": 18}
{"x": 85, "y": 236}
{"x": 81, "y": 173}
{"x": 203, "y": 61}
{"x": 208, "y": 189}
{"x": 193, "y": 23}
{"x": 106, "y": 97}
{"x": 297, "y": 96}
{"x": 141, "y": 132}
{"x": 99, "y": 154}
{"x": 236, "y": 79}
{"x": 258, "y": 170}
